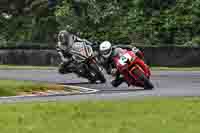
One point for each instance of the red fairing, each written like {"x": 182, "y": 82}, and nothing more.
{"x": 135, "y": 63}
{"x": 143, "y": 66}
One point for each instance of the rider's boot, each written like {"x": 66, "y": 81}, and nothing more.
{"x": 63, "y": 68}
{"x": 117, "y": 82}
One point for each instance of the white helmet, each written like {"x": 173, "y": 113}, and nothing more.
{"x": 105, "y": 49}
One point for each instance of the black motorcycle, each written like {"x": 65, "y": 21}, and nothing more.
{"x": 86, "y": 62}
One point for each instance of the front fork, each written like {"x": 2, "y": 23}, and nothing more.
{"x": 93, "y": 61}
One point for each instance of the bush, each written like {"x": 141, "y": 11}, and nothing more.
{"x": 150, "y": 22}
{"x": 154, "y": 22}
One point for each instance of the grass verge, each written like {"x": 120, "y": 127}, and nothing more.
{"x": 158, "y": 115}
{"x": 13, "y": 88}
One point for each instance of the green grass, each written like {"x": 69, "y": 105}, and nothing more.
{"x": 12, "y": 87}
{"x": 169, "y": 115}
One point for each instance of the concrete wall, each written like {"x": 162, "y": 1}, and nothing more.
{"x": 154, "y": 56}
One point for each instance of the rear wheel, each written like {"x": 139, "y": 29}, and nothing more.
{"x": 147, "y": 83}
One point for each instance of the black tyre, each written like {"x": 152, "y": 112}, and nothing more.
{"x": 83, "y": 71}
{"x": 96, "y": 73}
{"x": 147, "y": 83}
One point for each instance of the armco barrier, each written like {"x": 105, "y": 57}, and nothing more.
{"x": 172, "y": 56}
{"x": 157, "y": 56}
{"x": 29, "y": 57}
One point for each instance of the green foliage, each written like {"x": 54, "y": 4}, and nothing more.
{"x": 135, "y": 21}
{"x": 30, "y": 21}
{"x": 149, "y": 22}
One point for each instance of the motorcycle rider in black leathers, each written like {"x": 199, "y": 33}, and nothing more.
{"x": 107, "y": 52}
{"x": 65, "y": 42}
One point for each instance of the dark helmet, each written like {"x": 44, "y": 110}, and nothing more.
{"x": 64, "y": 37}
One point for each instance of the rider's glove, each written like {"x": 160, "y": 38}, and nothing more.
{"x": 113, "y": 71}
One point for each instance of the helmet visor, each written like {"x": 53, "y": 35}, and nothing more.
{"x": 106, "y": 52}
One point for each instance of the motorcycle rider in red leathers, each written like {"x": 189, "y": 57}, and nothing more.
{"x": 107, "y": 52}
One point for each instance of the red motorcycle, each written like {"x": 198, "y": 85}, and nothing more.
{"x": 133, "y": 69}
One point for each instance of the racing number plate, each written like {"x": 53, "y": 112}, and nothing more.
{"x": 123, "y": 59}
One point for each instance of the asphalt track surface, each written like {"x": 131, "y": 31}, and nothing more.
{"x": 167, "y": 83}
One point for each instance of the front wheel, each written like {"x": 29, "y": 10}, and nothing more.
{"x": 146, "y": 82}
{"x": 96, "y": 73}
